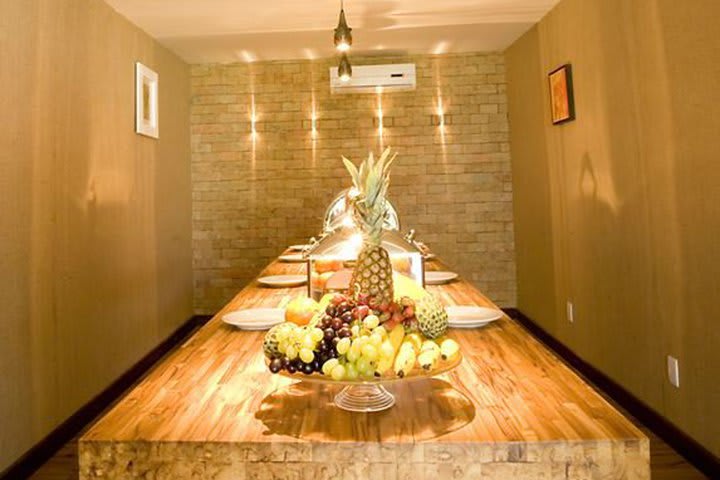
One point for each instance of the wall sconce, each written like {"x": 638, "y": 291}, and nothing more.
{"x": 440, "y": 120}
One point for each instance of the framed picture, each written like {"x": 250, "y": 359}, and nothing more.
{"x": 562, "y": 102}
{"x": 146, "y": 101}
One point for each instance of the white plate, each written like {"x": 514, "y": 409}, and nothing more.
{"x": 471, "y": 316}
{"x": 439, "y": 278}
{"x": 298, "y": 248}
{"x": 292, "y": 258}
{"x": 283, "y": 280}
{"x": 255, "y": 318}
{"x": 468, "y": 325}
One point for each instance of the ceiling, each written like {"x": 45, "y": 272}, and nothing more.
{"x": 208, "y": 31}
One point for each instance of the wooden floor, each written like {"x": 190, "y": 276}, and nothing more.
{"x": 666, "y": 463}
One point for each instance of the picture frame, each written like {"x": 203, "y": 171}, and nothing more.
{"x": 562, "y": 99}
{"x": 146, "y": 101}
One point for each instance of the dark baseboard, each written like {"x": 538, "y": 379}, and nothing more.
{"x": 66, "y": 431}
{"x": 693, "y": 452}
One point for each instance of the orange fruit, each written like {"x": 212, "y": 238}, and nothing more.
{"x": 301, "y": 310}
{"x": 319, "y": 280}
{"x": 323, "y": 265}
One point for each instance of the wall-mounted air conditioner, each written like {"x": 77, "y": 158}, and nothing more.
{"x": 374, "y": 78}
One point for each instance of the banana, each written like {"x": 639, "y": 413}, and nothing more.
{"x": 383, "y": 366}
{"x": 394, "y": 340}
{"x": 449, "y": 348}
{"x": 405, "y": 360}
{"x": 415, "y": 340}
{"x": 396, "y": 337}
{"x": 428, "y": 359}
{"x": 429, "y": 345}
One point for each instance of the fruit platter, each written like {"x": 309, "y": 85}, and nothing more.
{"x": 384, "y": 328}
{"x": 363, "y": 346}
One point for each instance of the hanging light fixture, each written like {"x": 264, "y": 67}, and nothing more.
{"x": 343, "y": 35}
{"x": 344, "y": 69}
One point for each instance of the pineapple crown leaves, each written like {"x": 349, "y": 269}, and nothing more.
{"x": 371, "y": 181}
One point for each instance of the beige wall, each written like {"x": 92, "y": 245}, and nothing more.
{"x": 95, "y": 224}
{"x": 251, "y": 200}
{"x": 619, "y": 210}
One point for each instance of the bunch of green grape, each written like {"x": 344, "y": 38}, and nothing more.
{"x": 365, "y": 354}
{"x": 297, "y": 348}
{"x": 301, "y": 342}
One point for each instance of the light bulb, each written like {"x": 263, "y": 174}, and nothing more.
{"x": 344, "y": 69}
{"x": 342, "y": 35}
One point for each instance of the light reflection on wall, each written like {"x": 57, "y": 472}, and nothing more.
{"x": 314, "y": 132}
{"x": 247, "y": 56}
{"x": 441, "y": 47}
{"x": 253, "y": 117}
{"x": 441, "y": 117}
{"x": 313, "y": 118}
{"x": 381, "y": 130}
{"x": 441, "y": 126}
{"x": 440, "y": 110}
{"x": 254, "y": 136}
{"x": 253, "y": 129}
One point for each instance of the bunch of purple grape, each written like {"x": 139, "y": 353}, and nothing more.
{"x": 337, "y": 319}
{"x": 314, "y": 346}
{"x": 294, "y": 366}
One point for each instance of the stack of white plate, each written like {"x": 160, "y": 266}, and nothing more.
{"x": 471, "y": 316}
{"x": 255, "y": 318}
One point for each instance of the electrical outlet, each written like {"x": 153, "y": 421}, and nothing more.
{"x": 673, "y": 369}
{"x": 570, "y": 311}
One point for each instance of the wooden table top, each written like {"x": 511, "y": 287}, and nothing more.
{"x": 216, "y": 388}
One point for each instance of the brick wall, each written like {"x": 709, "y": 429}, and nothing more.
{"x": 255, "y": 194}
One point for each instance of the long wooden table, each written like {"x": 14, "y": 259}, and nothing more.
{"x": 510, "y": 411}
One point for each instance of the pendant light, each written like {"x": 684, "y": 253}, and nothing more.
{"x": 344, "y": 69}
{"x": 343, "y": 35}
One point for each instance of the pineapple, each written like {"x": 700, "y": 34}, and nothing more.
{"x": 271, "y": 341}
{"x": 431, "y": 316}
{"x": 373, "y": 275}
{"x": 432, "y": 319}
